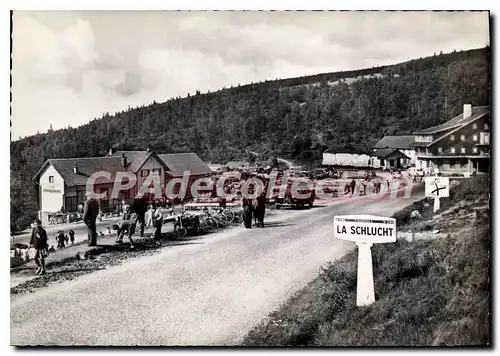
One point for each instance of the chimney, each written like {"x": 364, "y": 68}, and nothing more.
{"x": 75, "y": 168}
{"x": 124, "y": 160}
{"x": 149, "y": 149}
{"x": 112, "y": 151}
{"x": 467, "y": 110}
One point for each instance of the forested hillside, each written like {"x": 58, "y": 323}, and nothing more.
{"x": 296, "y": 118}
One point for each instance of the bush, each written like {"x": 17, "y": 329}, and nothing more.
{"x": 25, "y": 220}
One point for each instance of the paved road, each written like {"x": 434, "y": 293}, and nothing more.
{"x": 210, "y": 292}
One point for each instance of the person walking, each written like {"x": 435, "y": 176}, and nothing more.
{"x": 90, "y": 213}
{"x": 71, "y": 236}
{"x": 39, "y": 243}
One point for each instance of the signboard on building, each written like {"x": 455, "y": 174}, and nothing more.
{"x": 437, "y": 187}
{"x": 365, "y": 228}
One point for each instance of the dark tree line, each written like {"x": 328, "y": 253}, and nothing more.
{"x": 296, "y": 118}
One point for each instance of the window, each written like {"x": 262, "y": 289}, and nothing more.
{"x": 474, "y": 126}
{"x": 474, "y": 149}
{"x": 462, "y": 150}
{"x": 486, "y": 126}
{"x": 156, "y": 171}
{"x": 462, "y": 137}
{"x": 474, "y": 138}
{"x": 452, "y": 150}
{"x": 51, "y": 179}
{"x": 440, "y": 149}
{"x": 145, "y": 173}
{"x": 452, "y": 137}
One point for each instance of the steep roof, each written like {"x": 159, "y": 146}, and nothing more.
{"x": 399, "y": 142}
{"x": 457, "y": 121}
{"x": 178, "y": 163}
{"x": 135, "y": 159}
{"x": 86, "y": 167}
{"x": 384, "y": 152}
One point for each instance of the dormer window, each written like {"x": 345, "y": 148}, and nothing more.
{"x": 51, "y": 179}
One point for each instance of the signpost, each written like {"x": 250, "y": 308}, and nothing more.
{"x": 437, "y": 187}
{"x": 365, "y": 230}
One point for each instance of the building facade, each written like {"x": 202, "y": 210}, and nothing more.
{"x": 404, "y": 144}
{"x": 460, "y": 145}
{"x": 62, "y": 183}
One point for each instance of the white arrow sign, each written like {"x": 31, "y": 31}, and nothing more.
{"x": 365, "y": 230}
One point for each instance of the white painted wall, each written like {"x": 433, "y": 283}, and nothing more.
{"x": 51, "y": 194}
{"x": 346, "y": 159}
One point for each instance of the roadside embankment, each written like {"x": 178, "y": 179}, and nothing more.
{"x": 431, "y": 292}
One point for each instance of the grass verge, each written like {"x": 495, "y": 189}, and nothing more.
{"x": 432, "y": 292}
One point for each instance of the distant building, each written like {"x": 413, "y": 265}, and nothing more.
{"x": 390, "y": 158}
{"x": 460, "y": 145}
{"x": 62, "y": 182}
{"x": 386, "y": 156}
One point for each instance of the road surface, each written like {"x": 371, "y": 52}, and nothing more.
{"x": 211, "y": 292}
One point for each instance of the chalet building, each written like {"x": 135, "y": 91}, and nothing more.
{"x": 390, "y": 158}
{"x": 62, "y": 182}
{"x": 460, "y": 145}
{"x": 395, "y": 152}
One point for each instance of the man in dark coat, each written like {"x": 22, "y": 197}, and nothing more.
{"x": 39, "y": 242}
{"x": 90, "y": 213}
{"x": 247, "y": 212}
{"x": 60, "y": 239}
{"x": 140, "y": 207}
{"x": 260, "y": 209}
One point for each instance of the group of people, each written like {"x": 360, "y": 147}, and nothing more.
{"x": 139, "y": 212}
{"x": 254, "y": 209}
{"x": 63, "y": 239}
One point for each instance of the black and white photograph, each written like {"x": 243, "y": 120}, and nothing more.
{"x": 250, "y": 178}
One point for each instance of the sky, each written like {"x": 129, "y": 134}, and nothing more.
{"x": 69, "y": 67}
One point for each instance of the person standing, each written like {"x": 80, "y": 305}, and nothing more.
{"x": 260, "y": 209}
{"x": 71, "y": 236}
{"x": 90, "y": 213}
{"x": 140, "y": 207}
{"x": 157, "y": 217}
{"x": 60, "y": 239}
{"x": 247, "y": 206}
{"x": 39, "y": 242}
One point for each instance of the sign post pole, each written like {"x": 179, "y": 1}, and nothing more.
{"x": 365, "y": 288}
{"x": 437, "y": 187}
{"x": 437, "y": 204}
{"x": 365, "y": 230}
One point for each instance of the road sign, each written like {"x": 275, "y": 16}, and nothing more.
{"x": 437, "y": 187}
{"x": 365, "y": 230}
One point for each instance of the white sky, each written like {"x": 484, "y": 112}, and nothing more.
{"x": 71, "y": 67}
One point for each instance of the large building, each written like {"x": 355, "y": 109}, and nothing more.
{"x": 460, "y": 145}
{"x": 395, "y": 152}
{"x": 62, "y": 183}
